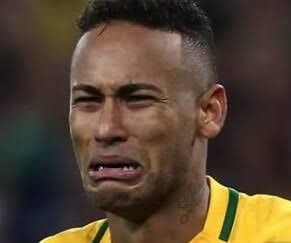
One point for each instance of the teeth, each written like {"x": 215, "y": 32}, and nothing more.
{"x": 124, "y": 168}
{"x": 128, "y": 168}
{"x": 100, "y": 168}
{"x": 131, "y": 168}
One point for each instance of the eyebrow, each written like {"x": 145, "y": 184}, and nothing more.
{"x": 123, "y": 90}
{"x": 86, "y": 88}
{"x": 134, "y": 87}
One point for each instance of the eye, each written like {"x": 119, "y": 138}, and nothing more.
{"x": 139, "y": 101}
{"x": 87, "y": 100}
{"x": 139, "y": 98}
{"x": 88, "y": 104}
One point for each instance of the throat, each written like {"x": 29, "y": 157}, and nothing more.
{"x": 168, "y": 225}
{"x": 190, "y": 202}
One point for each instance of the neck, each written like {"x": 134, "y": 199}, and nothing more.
{"x": 179, "y": 221}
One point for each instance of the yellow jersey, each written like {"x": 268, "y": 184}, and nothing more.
{"x": 232, "y": 217}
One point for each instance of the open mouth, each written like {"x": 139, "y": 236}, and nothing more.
{"x": 122, "y": 166}
{"x": 117, "y": 168}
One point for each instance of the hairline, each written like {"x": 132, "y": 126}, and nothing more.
{"x": 190, "y": 49}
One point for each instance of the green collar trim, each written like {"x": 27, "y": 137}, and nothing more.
{"x": 229, "y": 215}
{"x": 101, "y": 232}
{"x": 227, "y": 224}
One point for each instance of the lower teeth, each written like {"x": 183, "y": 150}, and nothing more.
{"x": 127, "y": 168}
{"x": 100, "y": 168}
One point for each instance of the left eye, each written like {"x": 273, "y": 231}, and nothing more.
{"x": 137, "y": 98}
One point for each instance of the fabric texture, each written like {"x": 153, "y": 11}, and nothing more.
{"x": 232, "y": 217}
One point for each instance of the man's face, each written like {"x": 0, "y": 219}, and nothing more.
{"x": 132, "y": 116}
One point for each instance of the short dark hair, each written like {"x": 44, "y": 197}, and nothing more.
{"x": 184, "y": 17}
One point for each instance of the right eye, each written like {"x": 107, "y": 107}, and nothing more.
{"x": 87, "y": 103}
{"x": 86, "y": 100}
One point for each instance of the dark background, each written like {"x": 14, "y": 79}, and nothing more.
{"x": 40, "y": 187}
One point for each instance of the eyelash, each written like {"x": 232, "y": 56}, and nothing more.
{"x": 136, "y": 98}
{"x": 87, "y": 99}
{"x": 131, "y": 98}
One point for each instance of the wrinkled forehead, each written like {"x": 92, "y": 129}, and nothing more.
{"x": 131, "y": 42}
{"x": 113, "y": 54}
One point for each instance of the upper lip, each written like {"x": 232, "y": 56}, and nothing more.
{"x": 112, "y": 160}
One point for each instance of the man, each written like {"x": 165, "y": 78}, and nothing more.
{"x": 144, "y": 102}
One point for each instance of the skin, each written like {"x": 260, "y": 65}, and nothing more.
{"x": 163, "y": 123}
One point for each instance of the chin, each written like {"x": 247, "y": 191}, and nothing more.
{"x": 120, "y": 203}
{"x": 134, "y": 203}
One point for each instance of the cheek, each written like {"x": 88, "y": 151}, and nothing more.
{"x": 152, "y": 126}
{"x": 161, "y": 126}
{"x": 166, "y": 137}
{"x": 155, "y": 132}
{"x": 81, "y": 134}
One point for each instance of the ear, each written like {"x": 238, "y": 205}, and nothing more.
{"x": 212, "y": 111}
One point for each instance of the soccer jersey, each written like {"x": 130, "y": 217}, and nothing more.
{"x": 232, "y": 217}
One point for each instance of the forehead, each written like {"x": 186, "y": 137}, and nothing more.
{"x": 122, "y": 50}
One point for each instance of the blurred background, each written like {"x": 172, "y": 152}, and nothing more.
{"x": 40, "y": 187}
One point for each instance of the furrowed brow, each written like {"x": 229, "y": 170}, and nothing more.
{"x": 131, "y": 88}
{"x": 86, "y": 88}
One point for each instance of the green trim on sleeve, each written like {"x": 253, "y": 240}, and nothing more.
{"x": 101, "y": 232}
{"x": 229, "y": 215}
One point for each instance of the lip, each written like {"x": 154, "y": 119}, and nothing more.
{"x": 113, "y": 169}
{"x": 112, "y": 159}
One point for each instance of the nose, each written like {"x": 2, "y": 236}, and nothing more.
{"x": 110, "y": 128}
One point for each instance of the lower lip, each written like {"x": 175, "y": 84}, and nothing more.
{"x": 116, "y": 174}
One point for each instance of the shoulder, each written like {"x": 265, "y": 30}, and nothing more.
{"x": 83, "y": 234}
{"x": 268, "y": 217}
{"x": 266, "y": 208}
{"x": 245, "y": 218}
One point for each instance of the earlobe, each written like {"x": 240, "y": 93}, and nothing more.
{"x": 212, "y": 111}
